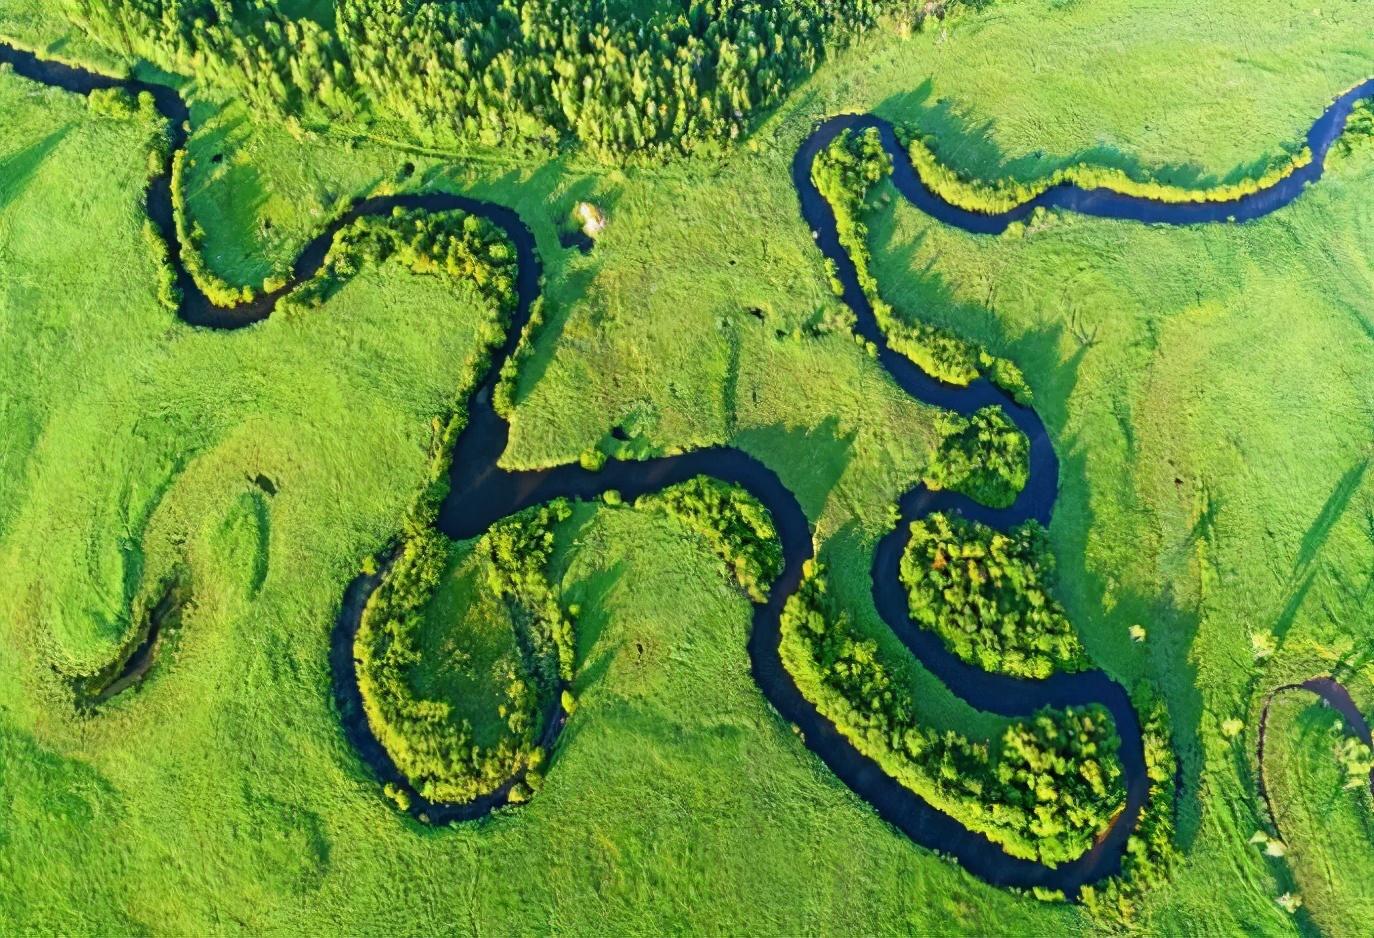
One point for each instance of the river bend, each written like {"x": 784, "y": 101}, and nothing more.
{"x": 483, "y": 492}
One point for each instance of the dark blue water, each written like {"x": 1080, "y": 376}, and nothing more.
{"x": 482, "y": 492}
{"x": 1106, "y": 203}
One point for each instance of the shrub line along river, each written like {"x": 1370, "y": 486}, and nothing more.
{"x": 483, "y": 492}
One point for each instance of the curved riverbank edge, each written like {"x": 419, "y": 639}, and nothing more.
{"x": 1330, "y": 692}
{"x": 482, "y": 492}
{"x": 1104, "y": 202}
{"x": 357, "y": 730}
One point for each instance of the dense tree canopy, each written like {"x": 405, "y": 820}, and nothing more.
{"x": 666, "y": 77}
{"x": 736, "y": 525}
{"x": 988, "y": 594}
{"x": 1044, "y": 791}
{"x": 985, "y": 456}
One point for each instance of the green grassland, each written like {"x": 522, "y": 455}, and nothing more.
{"x": 1207, "y": 390}
{"x": 1324, "y": 824}
{"x": 468, "y": 649}
{"x": 241, "y": 754}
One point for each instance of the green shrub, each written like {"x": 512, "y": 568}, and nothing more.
{"x": 1359, "y": 130}
{"x": 1151, "y": 854}
{"x": 1003, "y": 195}
{"x": 168, "y": 293}
{"x": 112, "y": 102}
{"x": 984, "y": 456}
{"x": 843, "y": 173}
{"x": 217, "y": 290}
{"x": 429, "y": 745}
{"x": 987, "y": 593}
{"x": 503, "y": 397}
{"x": 1043, "y": 792}
{"x": 736, "y": 526}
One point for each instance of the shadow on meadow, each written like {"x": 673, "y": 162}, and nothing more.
{"x": 809, "y": 460}
{"x": 17, "y": 170}
{"x": 966, "y": 142}
{"x": 1102, "y": 609}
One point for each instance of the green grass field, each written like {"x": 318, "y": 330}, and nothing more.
{"x": 1208, "y": 391}
{"x": 468, "y": 647}
{"x": 1324, "y": 824}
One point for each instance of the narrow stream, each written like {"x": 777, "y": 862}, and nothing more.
{"x": 483, "y": 492}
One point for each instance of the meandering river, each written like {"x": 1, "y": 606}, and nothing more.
{"x": 482, "y": 491}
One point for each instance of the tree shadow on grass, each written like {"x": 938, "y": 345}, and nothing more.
{"x": 1102, "y": 611}
{"x": 1332, "y": 511}
{"x": 541, "y": 200}
{"x": 965, "y": 141}
{"x": 1305, "y": 566}
{"x": 588, "y": 592}
{"x": 1171, "y": 624}
{"x": 17, "y": 170}
{"x": 922, "y": 294}
{"x": 809, "y": 460}
{"x": 594, "y": 654}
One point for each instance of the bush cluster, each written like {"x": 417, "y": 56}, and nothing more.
{"x": 987, "y": 593}
{"x": 984, "y": 456}
{"x": 455, "y": 245}
{"x": 1003, "y": 195}
{"x": 843, "y": 173}
{"x": 1043, "y": 792}
{"x": 1359, "y": 130}
{"x": 1150, "y": 853}
{"x": 121, "y": 104}
{"x": 517, "y": 551}
{"x": 192, "y": 235}
{"x": 429, "y": 745}
{"x": 503, "y": 395}
{"x": 168, "y": 293}
{"x": 431, "y": 748}
{"x": 736, "y": 526}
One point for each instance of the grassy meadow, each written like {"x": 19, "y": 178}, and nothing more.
{"x": 1325, "y": 828}
{"x": 1208, "y": 391}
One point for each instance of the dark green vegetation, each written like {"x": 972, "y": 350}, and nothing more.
{"x": 451, "y": 630}
{"x": 984, "y": 456}
{"x": 615, "y": 76}
{"x": 990, "y": 595}
{"x": 439, "y": 752}
{"x": 1152, "y": 854}
{"x": 1207, "y": 390}
{"x": 844, "y": 173}
{"x": 1044, "y": 791}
